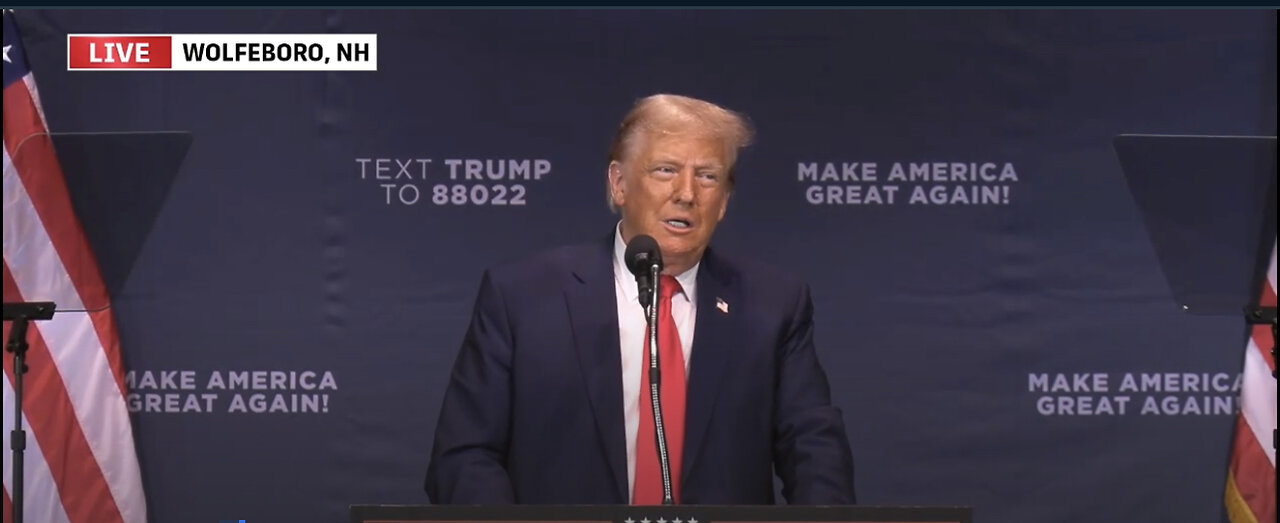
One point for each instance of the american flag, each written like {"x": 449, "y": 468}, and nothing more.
{"x": 1251, "y": 479}
{"x": 81, "y": 465}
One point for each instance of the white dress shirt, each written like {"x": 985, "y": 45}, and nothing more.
{"x": 631, "y": 329}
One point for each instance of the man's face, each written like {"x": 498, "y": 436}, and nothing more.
{"x": 674, "y": 188}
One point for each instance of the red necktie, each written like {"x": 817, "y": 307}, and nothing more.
{"x": 648, "y": 481}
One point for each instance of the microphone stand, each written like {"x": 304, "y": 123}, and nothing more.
{"x": 655, "y": 381}
{"x": 20, "y": 314}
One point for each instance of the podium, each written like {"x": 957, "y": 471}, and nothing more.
{"x": 656, "y": 514}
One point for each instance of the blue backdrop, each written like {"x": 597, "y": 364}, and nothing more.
{"x": 948, "y": 305}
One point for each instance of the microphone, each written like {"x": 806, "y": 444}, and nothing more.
{"x": 644, "y": 260}
{"x": 641, "y": 257}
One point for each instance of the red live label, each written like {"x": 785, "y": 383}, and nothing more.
{"x": 119, "y": 52}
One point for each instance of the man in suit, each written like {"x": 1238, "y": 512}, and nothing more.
{"x": 548, "y": 402}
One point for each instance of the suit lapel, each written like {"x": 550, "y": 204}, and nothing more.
{"x": 592, "y": 304}
{"x": 714, "y": 341}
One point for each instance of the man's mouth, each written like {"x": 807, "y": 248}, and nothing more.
{"x": 679, "y": 224}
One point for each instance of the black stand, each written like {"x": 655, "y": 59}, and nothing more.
{"x": 20, "y": 314}
{"x": 655, "y": 383}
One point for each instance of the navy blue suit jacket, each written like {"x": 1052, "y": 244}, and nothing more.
{"x": 533, "y": 413}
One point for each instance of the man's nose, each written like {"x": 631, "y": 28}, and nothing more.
{"x": 683, "y": 192}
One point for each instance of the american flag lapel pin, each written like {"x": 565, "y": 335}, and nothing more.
{"x": 720, "y": 304}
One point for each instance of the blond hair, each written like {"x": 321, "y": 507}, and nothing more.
{"x": 672, "y": 114}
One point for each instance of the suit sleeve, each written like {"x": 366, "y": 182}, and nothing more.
{"x": 811, "y": 447}
{"x": 468, "y": 459}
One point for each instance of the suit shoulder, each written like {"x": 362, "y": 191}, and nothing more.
{"x": 541, "y": 266}
{"x": 761, "y": 276}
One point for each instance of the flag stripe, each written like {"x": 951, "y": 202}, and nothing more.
{"x": 40, "y": 500}
{"x": 30, "y": 82}
{"x": 47, "y": 409}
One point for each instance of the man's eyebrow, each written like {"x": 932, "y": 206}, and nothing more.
{"x": 667, "y": 160}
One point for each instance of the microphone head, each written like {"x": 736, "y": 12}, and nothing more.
{"x": 642, "y": 253}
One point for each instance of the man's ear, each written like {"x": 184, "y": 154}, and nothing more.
{"x": 617, "y": 192}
